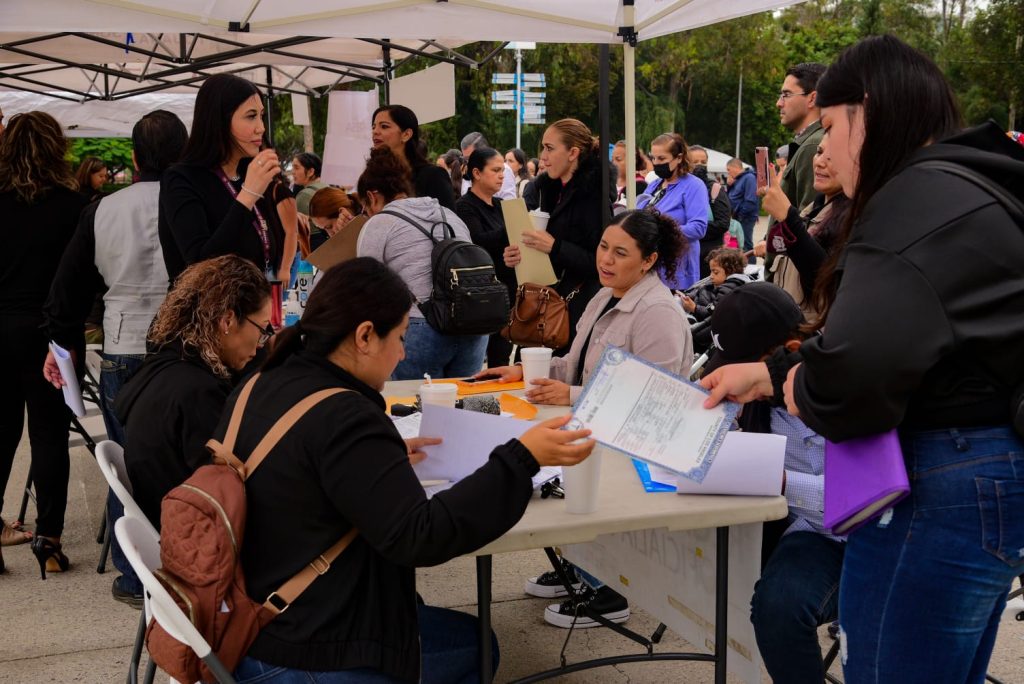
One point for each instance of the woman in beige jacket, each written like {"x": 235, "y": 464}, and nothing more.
{"x": 635, "y": 311}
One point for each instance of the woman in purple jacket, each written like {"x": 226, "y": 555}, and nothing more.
{"x": 682, "y": 196}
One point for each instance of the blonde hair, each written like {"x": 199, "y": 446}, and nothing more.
{"x": 201, "y": 296}
{"x": 574, "y": 133}
{"x": 32, "y": 161}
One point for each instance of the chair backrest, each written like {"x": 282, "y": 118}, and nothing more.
{"x": 110, "y": 456}
{"x": 143, "y": 553}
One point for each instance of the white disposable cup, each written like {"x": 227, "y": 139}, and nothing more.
{"x": 581, "y": 482}
{"x": 439, "y": 393}
{"x": 536, "y": 364}
{"x": 540, "y": 219}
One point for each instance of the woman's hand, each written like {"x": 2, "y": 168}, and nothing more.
{"x": 261, "y": 171}
{"x": 761, "y": 249}
{"x": 512, "y": 256}
{"x": 415, "y": 446}
{"x": 552, "y": 446}
{"x": 504, "y": 373}
{"x": 740, "y": 382}
{"x": 547, "y": 391}
{"x": 51, "y": 371}
{"x": 688, "y": 304}
{"x": 540, "y": 240}
{"x": 774, "y": 200}
{"x": 787, "y": 390}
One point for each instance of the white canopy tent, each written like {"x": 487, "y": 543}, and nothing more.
{"x": 99, "y": 118}
{"x": 447, "y": 22}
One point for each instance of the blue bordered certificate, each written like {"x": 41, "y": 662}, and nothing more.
{"x": 646, "y": 412}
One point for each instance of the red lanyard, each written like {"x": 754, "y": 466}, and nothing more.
{"x": 260, "y": 224}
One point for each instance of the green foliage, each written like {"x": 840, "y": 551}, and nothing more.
{"x": 116, "y": 152}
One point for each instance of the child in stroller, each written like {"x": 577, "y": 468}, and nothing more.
{"x": 727, "y": 274}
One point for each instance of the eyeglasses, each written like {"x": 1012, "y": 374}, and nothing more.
{"x": 785, "y": 95}
{"x": 265, "y": 333}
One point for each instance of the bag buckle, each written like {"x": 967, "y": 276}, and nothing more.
{"x": 280, "y": 605}
{"x": 320, "y": 565}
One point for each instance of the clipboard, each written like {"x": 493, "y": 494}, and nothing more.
{"x": 340, "y": 247}
{"x": 536, "y": 265}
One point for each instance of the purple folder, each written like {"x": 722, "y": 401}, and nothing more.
{"x": 864, "y": 477}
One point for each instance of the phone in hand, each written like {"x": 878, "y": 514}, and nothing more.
{"x": 483, "y": 378}
{"x": 761, "y": 162}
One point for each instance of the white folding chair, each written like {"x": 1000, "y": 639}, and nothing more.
{"x": 110, "y": 457}
{"x": 143, "y": 552}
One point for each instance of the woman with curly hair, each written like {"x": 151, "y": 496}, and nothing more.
{"x": 39, "y": 206}
{"x": 208, "y": 329}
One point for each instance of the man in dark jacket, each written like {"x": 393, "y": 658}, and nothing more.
{"x": 743, "y": 198}
{"x": 721, "y": 210}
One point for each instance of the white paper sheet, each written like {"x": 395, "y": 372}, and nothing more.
{"x": 748, "y": 464}
{"x": 468, "y": 439}
{"x": 72, "y": 392}
{"x": 641, "y": 410}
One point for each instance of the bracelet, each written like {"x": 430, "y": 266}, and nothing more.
{"x": 254, "y": 194}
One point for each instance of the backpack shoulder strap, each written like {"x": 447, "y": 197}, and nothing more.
{"x": 225, "y": 450}
{"x": 407, "y": 219}
{"x": 283, "y": 425}
{"x": 446, "y": 228}
{"x": 286, "y": 594}
{"x": 1014, "y": 207}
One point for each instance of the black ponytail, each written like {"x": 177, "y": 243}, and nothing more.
{"x": 655, "y": 232}
{"x": 349, "y": 294}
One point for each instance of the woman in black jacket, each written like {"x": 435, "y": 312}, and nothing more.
{"x": 213, "y": 203}
{"x": 209, "y": 327}
{"x": 571, "y": 192}
{"x": 344, "y": 465}
{"x": 397, "y": 128}
{"x": 922, "y": 334}
{"x": 39, "y": 209}
{"x": 480, "y": 210}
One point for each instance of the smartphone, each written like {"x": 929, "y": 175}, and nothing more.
{"x": 484, "y": 378}
{"x": 761, "y": 162}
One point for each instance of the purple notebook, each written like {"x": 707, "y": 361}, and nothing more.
{"x": 864, "y": 477}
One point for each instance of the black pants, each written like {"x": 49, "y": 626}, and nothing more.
{"x": 23, "y": 348}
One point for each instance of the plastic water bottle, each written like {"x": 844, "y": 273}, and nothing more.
{"x": 292, "y": 310}
{"x": 304, "y": 282}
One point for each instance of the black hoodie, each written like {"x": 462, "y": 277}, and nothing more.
{"x": 927, "y": 329}
{"x": 169, "y": 409}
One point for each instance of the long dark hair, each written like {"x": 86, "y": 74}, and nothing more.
{"x": 907, "y": 104}
{"x": 83, "y": 176}
{"x": 655, "y": 232}
{"x": 406, "y": 120}
{"x": 210, "y": 143}
{"x": 520, "y": 157}
{"x": 359, "y": 290}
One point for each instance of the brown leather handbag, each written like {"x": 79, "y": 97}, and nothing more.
{"x": 539, "y": 317}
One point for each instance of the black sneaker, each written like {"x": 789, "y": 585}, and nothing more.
{"x": 606, "y": 602}
{"x": 130, "y": 598}
{"x": 549, "y": 586}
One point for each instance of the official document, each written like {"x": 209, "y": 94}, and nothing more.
{"x": 72, "y": 392}
{"x": 650, "y": 414}
{"x": 536, "y": 265}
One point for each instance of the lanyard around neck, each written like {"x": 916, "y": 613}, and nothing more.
{"x": 259, "y": 223}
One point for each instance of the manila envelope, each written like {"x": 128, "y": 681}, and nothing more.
{"x": 536, "y": 265}
{"x": 340, "y": 247}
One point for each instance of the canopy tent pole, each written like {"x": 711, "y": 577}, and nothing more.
{"x": 604, "y": 133}
{"x": 628, "y": 33}
{"x": 388, "y": 71}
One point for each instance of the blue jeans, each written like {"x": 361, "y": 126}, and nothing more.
{"x": 114, "y": 372}
{"x": 922, "y": 592}
{"x": 442, "y": 356}
{"x": 798, "y": 591}
{"x": 449, "y": 642}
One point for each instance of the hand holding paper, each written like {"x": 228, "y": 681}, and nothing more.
{"x": 66, "y": 364}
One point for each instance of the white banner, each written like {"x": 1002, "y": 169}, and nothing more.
{"x": 348, "y": 140}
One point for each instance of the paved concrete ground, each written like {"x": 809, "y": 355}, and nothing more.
{"x": 68, "y": 629}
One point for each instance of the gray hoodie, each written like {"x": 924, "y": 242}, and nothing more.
{"x": 404, "y": 249}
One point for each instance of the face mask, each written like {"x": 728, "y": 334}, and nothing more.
{"x": 663, "y": 171}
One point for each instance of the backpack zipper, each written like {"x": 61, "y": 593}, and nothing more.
{"x": 176, "y": 588}
{"x": 455, "y": 272}
{"x": 220, "y": 509}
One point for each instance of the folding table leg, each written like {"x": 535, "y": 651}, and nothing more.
{"x": 721, "y": 603}
{"x": 483, "y": 607}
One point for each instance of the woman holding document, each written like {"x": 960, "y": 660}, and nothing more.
{"x": 954, "y": 545}
{"x": 40, "y": 205}
{"x": 345, "y": 466}
{"x": 570, "y": 191}
{"x": 633, "y": 310}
